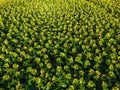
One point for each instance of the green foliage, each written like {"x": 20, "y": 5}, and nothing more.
{"x": 60, "y": 45}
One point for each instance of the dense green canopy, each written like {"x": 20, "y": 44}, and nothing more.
{"x": 60, "y": 45}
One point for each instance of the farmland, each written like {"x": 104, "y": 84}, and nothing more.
{"x": 60, "y": 45}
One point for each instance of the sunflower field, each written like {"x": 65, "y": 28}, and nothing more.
{"x": 59, "y": 45}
